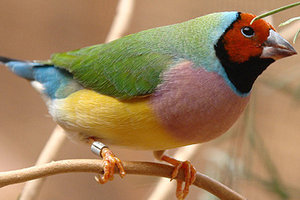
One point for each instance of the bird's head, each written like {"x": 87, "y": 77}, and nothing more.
{"x": 245, "y": 50}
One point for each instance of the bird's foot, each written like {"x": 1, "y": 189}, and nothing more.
{"x": 189, "y": 172}
{"x": 110, "y": 161}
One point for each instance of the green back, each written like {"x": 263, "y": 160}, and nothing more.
{"x": 119, "y": 71}
{"x": 133, "y": 65}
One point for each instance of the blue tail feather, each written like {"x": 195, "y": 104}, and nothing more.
{"x": 22, "y": 69}
{"x": 56, "y": 82}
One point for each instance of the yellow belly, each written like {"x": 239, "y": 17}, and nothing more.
{"x": 129, "y": 123}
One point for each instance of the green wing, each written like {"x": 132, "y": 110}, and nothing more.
{"x": 132, "y": 66}
{"x": 124, "y": 68}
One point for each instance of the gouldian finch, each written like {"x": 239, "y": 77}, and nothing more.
{"x": 158, "y": 89}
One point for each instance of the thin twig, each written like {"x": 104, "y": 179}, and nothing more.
{"x": 288, "y": 32}
{"x": 95, "y": 166}
{"x": 272, "y": 12}
{"x": 121, "y": 20}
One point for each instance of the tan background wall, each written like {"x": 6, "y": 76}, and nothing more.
{"x": 35, "y": 29}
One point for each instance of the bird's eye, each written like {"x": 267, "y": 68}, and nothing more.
{"x": 247, "y": 31}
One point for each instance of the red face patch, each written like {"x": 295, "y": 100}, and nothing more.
{"x": 243, "y": 40}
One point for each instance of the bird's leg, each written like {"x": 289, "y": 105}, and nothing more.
{"x": 189, "y": 172}
{"x": 110, "y": 161}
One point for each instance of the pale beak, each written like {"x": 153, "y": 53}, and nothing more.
{"x": 276, "y": 47}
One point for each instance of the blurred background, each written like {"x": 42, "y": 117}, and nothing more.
{"x": 259, "y": 157}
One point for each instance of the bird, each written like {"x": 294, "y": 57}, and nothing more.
{"x": 157, "y": 89}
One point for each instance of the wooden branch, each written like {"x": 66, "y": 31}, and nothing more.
{"x": 95, "y": 166}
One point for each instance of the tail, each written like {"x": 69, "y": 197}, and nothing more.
{"x": 23, "y": 69}
{"x": 50, "y": 81}
{"x": 5, "y": 60}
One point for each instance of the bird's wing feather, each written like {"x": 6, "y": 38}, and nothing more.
{"x": 123, "y": 69}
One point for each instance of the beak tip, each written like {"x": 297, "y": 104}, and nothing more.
{"x": 292, "y": 50}
{"x": 276, "y": 47}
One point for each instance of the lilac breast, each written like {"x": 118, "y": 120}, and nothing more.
{"x": 195, "y": 105}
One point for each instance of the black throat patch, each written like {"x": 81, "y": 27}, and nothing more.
{"x": 242, "y": 75}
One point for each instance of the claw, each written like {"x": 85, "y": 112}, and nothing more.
{"x": 189, "y": 172}
{"x": 110, "y": 161}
